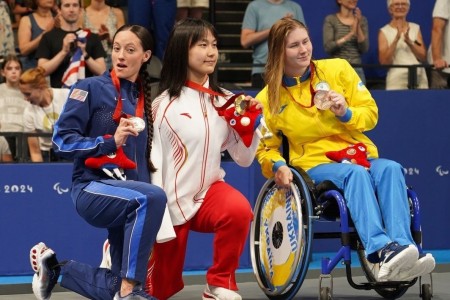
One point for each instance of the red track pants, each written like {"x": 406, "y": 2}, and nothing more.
{"x": 224, "y": 212}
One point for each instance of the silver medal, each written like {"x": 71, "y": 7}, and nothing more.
{"x": 138, "y": 123}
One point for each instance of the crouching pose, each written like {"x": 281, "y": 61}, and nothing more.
{"x": 193, "y": 125}
{"x": 106, "y": 127}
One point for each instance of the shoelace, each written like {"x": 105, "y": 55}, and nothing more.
{"x": 387, "y": 250}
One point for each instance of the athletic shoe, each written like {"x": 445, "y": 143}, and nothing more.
{"x": 395, "y": 258}
{"x": 137, "y": 294}
{"x": 45, "y": 265}
{"x": 219, "y": 293}
{"x": 106, "y": 256}
{"x": 424, "y": 265}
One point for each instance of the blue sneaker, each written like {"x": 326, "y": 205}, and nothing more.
{"x": 395, "y": 258}
{"x": 45, "y": 265}
{"x": 424, "y": 265}
{"x": 137, "y": 294}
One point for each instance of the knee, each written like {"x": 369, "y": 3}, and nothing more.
{"x": 240, "y": 213}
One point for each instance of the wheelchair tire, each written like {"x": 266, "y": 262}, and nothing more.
{"x": 371, "y": 270}
{"x": 426, "y": 291}
{"x": 281, "y": 238}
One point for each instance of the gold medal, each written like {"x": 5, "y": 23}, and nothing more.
{"x": 138, "y": 123}
{"x": 240, "y": 104}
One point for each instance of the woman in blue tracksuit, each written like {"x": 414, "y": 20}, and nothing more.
{"x": 104, "y": 115}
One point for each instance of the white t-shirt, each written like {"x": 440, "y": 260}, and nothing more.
{"x": 12, "y": 106}
{"x": 4, "y": 147}
{"x": 442, "y": 10}
{"x": 42, "y": 119}
{"x": 397, "y": 78}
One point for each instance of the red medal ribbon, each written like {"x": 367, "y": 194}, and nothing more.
{"x": 311, "y": 89}
{"x": 212, "y": 93}
{"x": 140, "y": 103}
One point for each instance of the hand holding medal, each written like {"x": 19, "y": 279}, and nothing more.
{"x": 321, "y": 96}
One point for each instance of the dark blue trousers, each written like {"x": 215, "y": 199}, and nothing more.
{"x": 132, "y": 212}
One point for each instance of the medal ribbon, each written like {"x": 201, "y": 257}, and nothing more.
{"x": 118, "y": 111}
{"x": 311, "y": 89}
{"x": 212, "y": 93}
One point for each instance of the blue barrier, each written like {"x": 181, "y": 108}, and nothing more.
{"x": 413, "y": 130}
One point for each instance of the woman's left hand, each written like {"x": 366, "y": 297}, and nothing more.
{"x": 339, "y": 106}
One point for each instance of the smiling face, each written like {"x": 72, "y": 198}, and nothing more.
{"x": 32, "y": 94}
{"x": 398, "y": 8}
{"x": 298, "y": 52}
{"x": 202, "y": 58}
{"x": 128, "y": 55}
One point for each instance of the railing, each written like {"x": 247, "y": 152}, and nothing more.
{"x": 21, "y": 143}
{"x": 412, "y": 69}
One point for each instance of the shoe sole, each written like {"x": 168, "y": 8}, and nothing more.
{"x": 37, "y": 284}
{"x": 404, "y": 260}
{"x": 423, "y": 266}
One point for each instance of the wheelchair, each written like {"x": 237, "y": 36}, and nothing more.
{"x": 281, "y": 238}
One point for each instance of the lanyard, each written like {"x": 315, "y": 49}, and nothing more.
{"x": 212, "y": 93}
{"x": 311, "y": 89}
{"x": 118, "y": 111}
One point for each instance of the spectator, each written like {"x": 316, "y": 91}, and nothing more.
{"x": 439, "y": 52}
{"x": 6, "y": 31}
{"x": 5, "y": 153}
{"x": 158, "y": 16}
{"x": 57, "y": 47}
{"x": 190, "y": 134}
{"x": 400, "y": 43}
{"x": 40, "y": 117}
{"x": 346, "y": 34}
{"x": 375, "y": 191}
{"x": 95, "y": 124}
{"x": 191, "y": 8}
{"x": 259, "y": 16}
{"x": 12, "y": 103}
{"x": 21, "y": 8}
{"x": 103, "y": 20}
{"x": 31, "y": 29}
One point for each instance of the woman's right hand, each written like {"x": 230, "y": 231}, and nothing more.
{"x": 283, "y": 177}
{"x": 125, "y": 128}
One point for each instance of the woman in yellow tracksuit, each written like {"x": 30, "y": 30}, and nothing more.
{"x": 293, "y": 79}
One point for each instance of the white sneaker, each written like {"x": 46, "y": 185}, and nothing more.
{"x": 424, "y": 265}
{"x": 219, "y": 293}
{"x": 395, "y": 258}
{"x": 106, "y": 256}
{"x": 45, "y": 265}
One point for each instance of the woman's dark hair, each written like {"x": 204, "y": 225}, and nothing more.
{"x": 8, "y": 58}
{"x": 184, "y": 35}
{"x": 147, "y": 44}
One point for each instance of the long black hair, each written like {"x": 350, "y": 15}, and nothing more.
{"x": 184, "y": 35}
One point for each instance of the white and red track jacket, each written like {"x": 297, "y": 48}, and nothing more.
{"x": 189, "y": 137}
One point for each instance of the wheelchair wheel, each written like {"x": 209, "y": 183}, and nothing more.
{"x": 371, "y": 272}
{"x": 281, "y": 238}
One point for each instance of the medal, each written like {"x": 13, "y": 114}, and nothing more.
{"x": 240, "y": 104}
{"x": 138, "y": 123}
{"x": 321, "y": 100}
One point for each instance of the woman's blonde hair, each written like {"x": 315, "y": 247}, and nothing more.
{"x": 275, "y": 61}
{"x": 35, "y": 77}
